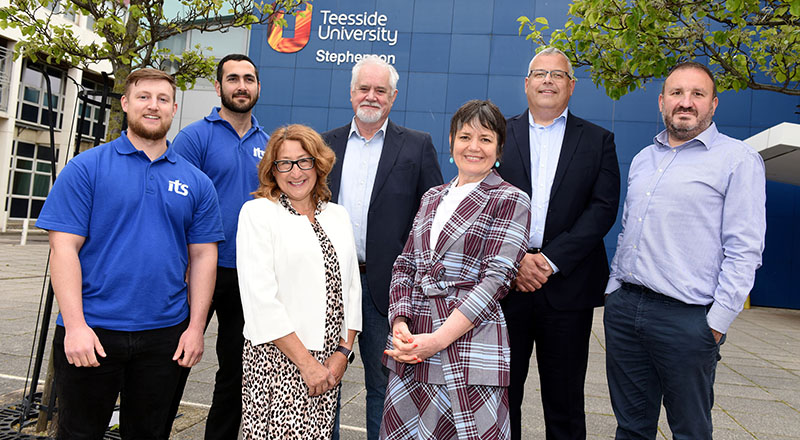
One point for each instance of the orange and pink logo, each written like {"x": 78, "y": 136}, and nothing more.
{"x": 302, "y": 33}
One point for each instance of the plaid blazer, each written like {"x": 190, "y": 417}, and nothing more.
{"x": 476, "y": 257}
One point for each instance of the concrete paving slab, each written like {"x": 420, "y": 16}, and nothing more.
{"x": 757, "y": 389}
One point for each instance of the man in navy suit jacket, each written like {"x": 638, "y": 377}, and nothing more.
{"x": 569, "y": 168}
{"x": 381, "y": 172}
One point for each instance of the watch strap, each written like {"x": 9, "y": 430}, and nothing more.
{"x": 347, "y": 353}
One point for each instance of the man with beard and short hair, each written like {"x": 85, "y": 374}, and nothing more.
{"x": 692, "y": 235}
{"x": 227, "y": 145}
{"x": 126, "y": 220}
{"x": 381, "y": 172}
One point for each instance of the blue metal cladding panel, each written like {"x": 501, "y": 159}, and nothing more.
{"x": 312, "y": 87}
{"x": 510, "y": 55}
{"x": 450, "y": 51}
{"x": 472, "y": 17}
{"x": 430, "y": 52}
{"x": 469, "y": 53}
{"x": 462, "y": 88}
{"x": 426, "y": 92}
{"x": 506, "y": 12}
{"x": 432, "y": 16}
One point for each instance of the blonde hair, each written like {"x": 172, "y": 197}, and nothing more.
{"x": 148, "y": 73}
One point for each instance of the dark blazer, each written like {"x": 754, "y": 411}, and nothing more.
{"x": 583, "y": 206}
{"x": 407, "y": 168}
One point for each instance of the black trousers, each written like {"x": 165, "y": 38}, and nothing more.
{"x": 561, "y": 339}
{"x": 225, "y": 414}
{"x": 138, "y": 367}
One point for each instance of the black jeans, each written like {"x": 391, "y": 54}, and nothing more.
{"x": 138, "y": 366}
{"x": 225, "y": 414}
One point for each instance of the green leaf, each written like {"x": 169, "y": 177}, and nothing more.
{"x": 794, "y": 8}
{"x": 733, "y": 5}
{"x": 542, "y": 20}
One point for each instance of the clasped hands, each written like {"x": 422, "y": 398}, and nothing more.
{"x": 412, "y": 349}
{"x": 534, "y": 270}
{"x": 323, "y": 377}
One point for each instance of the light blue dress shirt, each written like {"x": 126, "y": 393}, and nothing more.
{"x": 693, "y": 224}
{"x": 359, "y": 167}
{"x": 545, "y": 143}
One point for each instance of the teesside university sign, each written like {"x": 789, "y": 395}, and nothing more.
{"x": 360, "y": 27}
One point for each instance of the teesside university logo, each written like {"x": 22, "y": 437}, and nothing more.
{"x": 366, "y": 26}
{"x": 302, "y": 32}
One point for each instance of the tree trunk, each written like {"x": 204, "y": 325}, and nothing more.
{"x": 116, "y": 116}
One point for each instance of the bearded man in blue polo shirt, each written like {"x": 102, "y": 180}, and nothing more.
{"x": 126, "y": 220}
{"x": 227, "y": 145}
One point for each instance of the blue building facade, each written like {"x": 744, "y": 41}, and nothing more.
{"x": 450, "y": 51}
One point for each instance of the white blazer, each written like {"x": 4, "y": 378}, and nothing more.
{"x": 282, "y": 275}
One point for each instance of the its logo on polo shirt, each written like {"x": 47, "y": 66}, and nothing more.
{"x": 179, "y": 188}
{"x": 302, "y": 32}
{"x": 258, "y": 152}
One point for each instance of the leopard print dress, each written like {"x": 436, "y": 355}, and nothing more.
{"x": 275, "y": 400}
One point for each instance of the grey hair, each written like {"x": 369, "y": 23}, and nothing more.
{"x": 375, "y": 61}
{"x": 554, "y": 51}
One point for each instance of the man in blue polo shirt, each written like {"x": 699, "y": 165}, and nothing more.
{"x": 126, "y": 220}
{"x": 227, "y": 145}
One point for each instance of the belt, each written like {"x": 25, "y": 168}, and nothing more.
{"x": 640, "y": 289}
{"x": 534, "y": 250}
{"x": 362, "y": 267}
{"x": 660, "y": 296}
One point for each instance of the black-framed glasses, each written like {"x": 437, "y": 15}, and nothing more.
{"x": 540, "y": 74}
{"x": 284, "y": 166}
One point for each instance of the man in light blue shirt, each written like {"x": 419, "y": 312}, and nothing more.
{"x": 569, "y": 168}
{"x": 381, "y": 172}
{"x": 693, "y": 233}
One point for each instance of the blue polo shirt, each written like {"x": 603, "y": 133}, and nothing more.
{"x": 231, "y": 162}
{"x": 138, "y": 218}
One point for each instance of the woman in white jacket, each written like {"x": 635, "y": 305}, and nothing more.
{"x": 301, "y": 296}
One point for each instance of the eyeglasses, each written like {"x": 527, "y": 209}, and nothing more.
{"x": 540, "y": 74}
{"x": 304, "y": 163}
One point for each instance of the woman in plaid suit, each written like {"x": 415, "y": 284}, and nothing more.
{"x": 448, "y": 352}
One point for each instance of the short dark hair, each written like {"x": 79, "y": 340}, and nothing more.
{"x": 692, "y": 65}
{"x": 234, "y": 57}
{"x": 487, "y": 114}
{"x": 148, "y": 73}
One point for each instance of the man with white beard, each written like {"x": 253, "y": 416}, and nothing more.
{"x": 381, "y": 172}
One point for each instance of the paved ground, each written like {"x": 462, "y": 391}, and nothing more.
{"x": 757, "y": 389}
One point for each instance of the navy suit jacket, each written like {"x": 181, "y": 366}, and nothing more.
{"x": 407, "y": 168}
{"x": 583, "y": 206}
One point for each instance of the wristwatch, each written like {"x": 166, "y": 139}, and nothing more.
{"x": 347, "y": 353}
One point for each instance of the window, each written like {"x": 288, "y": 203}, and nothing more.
{"x": 234, "y": 40}
{"x": 29, "y": 180}
{"x": 5, "y": 75}
{"x": 92, "y": 115}
{"x": 58, "y": 8}
{"x": 32, "y": 105}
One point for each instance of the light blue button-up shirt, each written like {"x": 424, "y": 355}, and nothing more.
{"x": 359, "y": 167}
{"x": 545, "y": 144}
{"x": 693, "y": 224}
